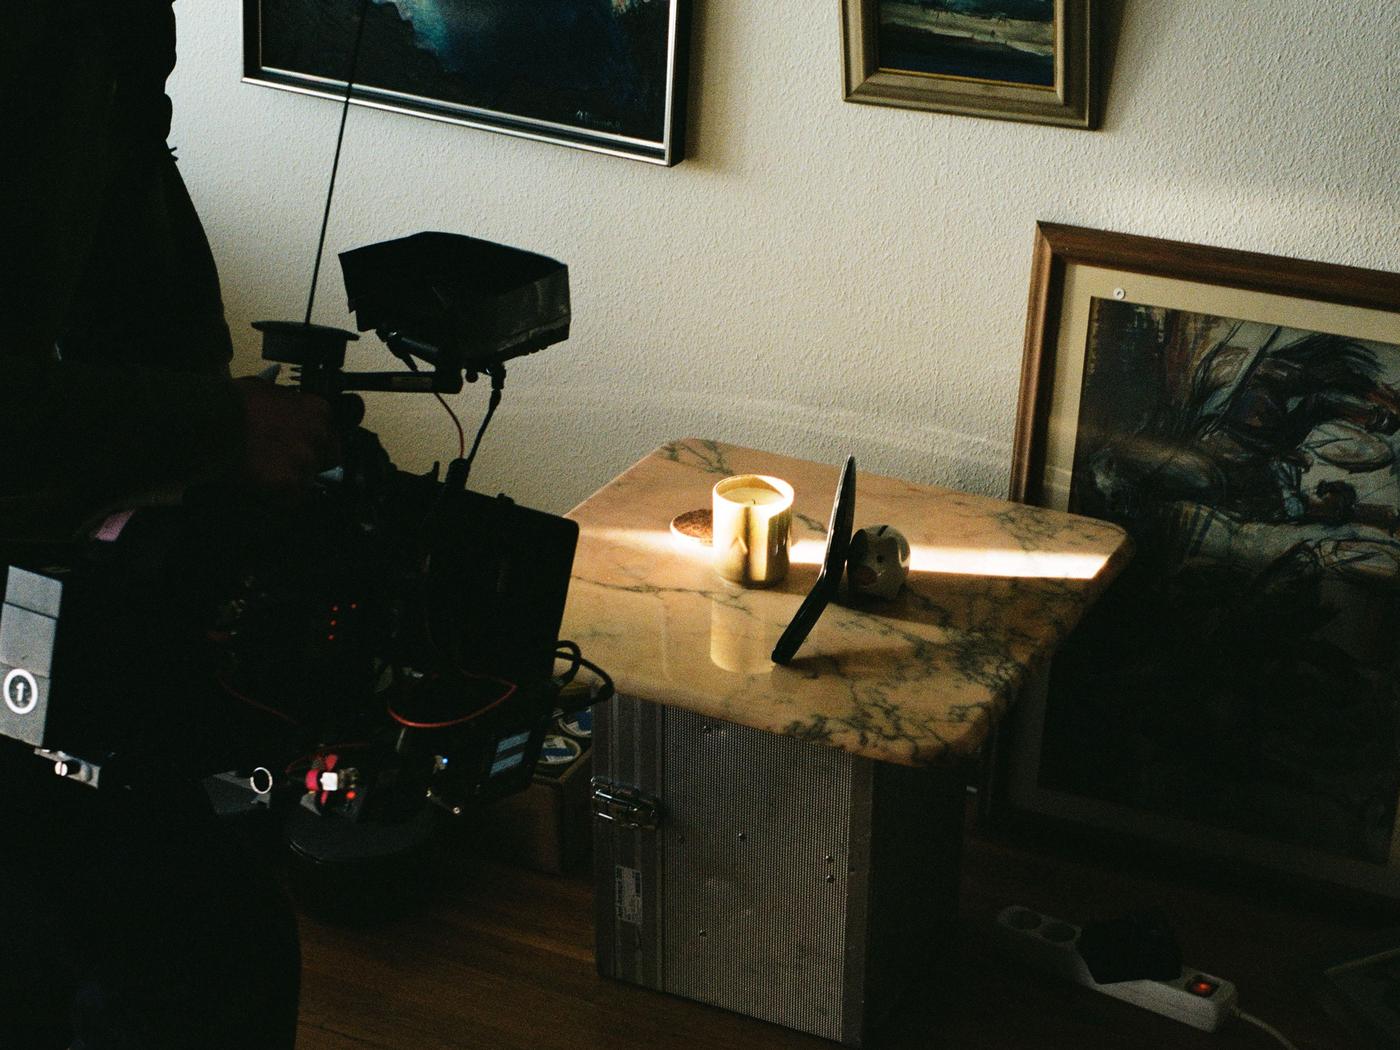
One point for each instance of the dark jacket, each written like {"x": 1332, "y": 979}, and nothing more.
{"x": 113, "y": 348}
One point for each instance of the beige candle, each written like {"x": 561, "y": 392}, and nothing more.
{"x": 752, "y": 523}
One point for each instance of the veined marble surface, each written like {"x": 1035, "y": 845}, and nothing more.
{"x": 994, "y": 588}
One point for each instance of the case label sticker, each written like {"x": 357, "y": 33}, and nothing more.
{"x": 627, "y": 895}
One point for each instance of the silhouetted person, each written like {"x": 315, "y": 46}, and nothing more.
{"x": 128, "y": 919}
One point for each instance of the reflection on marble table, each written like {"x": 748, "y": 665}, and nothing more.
{"x": 994, "y": 587}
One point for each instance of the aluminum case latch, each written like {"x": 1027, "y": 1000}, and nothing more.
{"x": 625, "y": 806}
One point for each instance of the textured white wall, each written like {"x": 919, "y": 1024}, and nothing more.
{"x": 818, "y": 276}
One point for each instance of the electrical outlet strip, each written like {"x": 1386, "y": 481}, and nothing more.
{"x": 1195, "y": 997}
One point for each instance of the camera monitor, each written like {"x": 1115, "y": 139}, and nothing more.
{"x": 838, "y": 545}
{"x": 476, "y": 302}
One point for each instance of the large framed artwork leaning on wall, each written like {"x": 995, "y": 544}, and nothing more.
{"x": 1237, "y": 693}
{"x": 1030, "y": 60}
{"x": 601, "y": 75}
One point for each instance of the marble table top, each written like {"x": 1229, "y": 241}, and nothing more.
{"x": 994, "y": 588}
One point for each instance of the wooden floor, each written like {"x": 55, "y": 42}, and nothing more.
{"x": 504, "y": 961}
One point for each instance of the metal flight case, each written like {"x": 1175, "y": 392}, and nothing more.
{"x": 765, "y": 874}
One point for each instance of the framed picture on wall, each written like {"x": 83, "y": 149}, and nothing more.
{"x": 1237, "y": 692}
{"x": 601, "y": 75}
{"x": 1030, "y": 60}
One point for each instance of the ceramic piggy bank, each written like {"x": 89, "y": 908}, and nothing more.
{"x": 878, "y": 561}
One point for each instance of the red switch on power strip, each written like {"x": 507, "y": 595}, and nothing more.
{"x": 1202, "y": 986}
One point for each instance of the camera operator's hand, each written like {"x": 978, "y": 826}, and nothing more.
{"x": 290, "y": 438}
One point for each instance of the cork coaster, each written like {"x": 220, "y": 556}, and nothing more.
{"x": 694, "y": 526}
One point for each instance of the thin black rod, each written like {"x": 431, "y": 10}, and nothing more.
{"x": 335, "y": 165}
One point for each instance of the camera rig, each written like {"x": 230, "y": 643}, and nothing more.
{"x": 462, "y": 305}
{"x": 371, "y": 662}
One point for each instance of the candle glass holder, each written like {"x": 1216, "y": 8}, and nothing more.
{"x": 752, "y": 523}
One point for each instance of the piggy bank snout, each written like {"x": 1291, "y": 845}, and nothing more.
{"x": 879, "y": 561}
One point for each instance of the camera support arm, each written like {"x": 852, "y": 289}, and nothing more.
{"x": 318, "y": 353}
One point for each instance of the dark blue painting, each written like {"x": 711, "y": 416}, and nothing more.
{"x": 999, "y": 41}
{"x": 601, "y": 74}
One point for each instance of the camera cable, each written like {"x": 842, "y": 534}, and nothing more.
{"x": 498, "y": 382}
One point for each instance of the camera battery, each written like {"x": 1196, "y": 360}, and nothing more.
{"x": 28, "y": 642}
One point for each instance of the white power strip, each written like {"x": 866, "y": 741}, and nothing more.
{"x": 1195, "y": 997}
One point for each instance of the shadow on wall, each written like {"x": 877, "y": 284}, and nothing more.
{"x": 1110, "y": 28}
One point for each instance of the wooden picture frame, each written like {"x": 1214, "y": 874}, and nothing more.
{"x": 608, "y": 77}
{"x": 974, "y": 58}
{"x": 1235, "y": 694}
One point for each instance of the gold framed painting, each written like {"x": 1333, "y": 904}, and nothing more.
{"x": 1028, "y": 60}
{"x": 1236, "y": 694}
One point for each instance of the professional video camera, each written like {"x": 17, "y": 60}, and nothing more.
{"x": 370, "y": 662}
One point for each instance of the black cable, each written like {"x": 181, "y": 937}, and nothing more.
{"x": 335, "y": 165}
{"x": 572, "y": 653}
{"x": 498, "y": 382}
{"x": 606, "y": 689}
